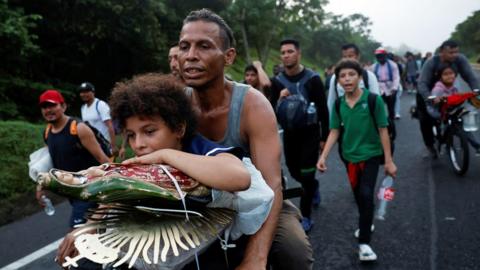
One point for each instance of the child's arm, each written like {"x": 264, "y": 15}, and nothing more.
{"x": 390, "y": 167}
{"x": 223, "y": 171}
{"x": 331, "y": 140}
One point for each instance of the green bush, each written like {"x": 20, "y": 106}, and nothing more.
{"x": 17, "y": 140}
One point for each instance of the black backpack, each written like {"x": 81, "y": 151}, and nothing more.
{"x": 372, "y": 100}
{"x": 104, "y": 143}
{"x": 292, "y": 110}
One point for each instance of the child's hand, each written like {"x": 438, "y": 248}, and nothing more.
{"x": 152, "y": 158}
{"x": 321, "y": 164}
{"x": 390, "y": 169}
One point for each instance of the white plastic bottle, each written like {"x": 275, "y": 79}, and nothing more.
{"x": 49, "y": 208}
{"x": 385, "y": 194}
{"x": 311, "y": 114}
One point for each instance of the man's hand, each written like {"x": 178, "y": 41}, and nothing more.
{"x": 121, "y": 153}
{"x": 66, "y": 248}
{"x": 114, "y": 150}
{"x": 437, "y": 100}
{"x": 257, "y": 64}
{"x": 390, "y": 169}
{"x": 38, "y": 194}
{"x": 284, "y": 93}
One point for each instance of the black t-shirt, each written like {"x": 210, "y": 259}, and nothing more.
{"x": 67, "y": 151}
{"x": 315, "y": 93}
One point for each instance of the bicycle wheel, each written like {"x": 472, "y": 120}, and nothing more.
{"x": 457, "y": 150}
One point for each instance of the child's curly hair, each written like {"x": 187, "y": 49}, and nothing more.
{"x": 150, "y": 95}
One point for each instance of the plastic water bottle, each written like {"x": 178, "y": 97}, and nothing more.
{"x": 385, "y": 194}
{"x": 49, "y": 209}
{"x": 311, "y": 114}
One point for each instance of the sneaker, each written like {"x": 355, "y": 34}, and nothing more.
{"x": 397, "y": 116}
{"x": 357, "y": 231}
{"x": 316, "y": 199}
{"x": 307, "y": 224}
{"x": 366, "y": 254}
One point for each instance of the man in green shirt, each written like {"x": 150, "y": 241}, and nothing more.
{"x": 364, "y": 138}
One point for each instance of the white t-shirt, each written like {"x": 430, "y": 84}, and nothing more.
{"x": 96, "y": 114}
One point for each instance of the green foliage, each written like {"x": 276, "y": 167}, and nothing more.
{"x": 59, "y": 44}
{"x": 18, "y": 41}
{"x": 17, "y": 141}
{"x": 467, "y": 34}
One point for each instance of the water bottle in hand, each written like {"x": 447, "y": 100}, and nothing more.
{"x": 49, "y": 209}
{"x": 311, "y": 114}
{"x": 385, "y": 194}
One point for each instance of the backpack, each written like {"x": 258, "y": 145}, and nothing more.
{"x": 371, "y": 101}
{"x": 292, "y": 110}
{"x": 390, "y": 71}
{"x": 104, "y": 143}
{"x": 364, "y": 78}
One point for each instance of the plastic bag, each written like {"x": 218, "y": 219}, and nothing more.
{"x": 252, "y": 205}
{"x": 40, "y": 161}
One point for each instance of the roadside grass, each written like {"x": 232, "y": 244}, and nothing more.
{"x": 17, "y": 191}
{"x": 17, "y": 140}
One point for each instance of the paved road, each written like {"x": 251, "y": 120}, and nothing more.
{"x": 431, "y": 224}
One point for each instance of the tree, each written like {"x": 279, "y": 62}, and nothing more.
{"x": 468, "y": 34}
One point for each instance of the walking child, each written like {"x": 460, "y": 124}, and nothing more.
{"x": 365, "y": 144}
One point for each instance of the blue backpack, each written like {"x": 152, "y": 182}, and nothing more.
{"x": 292, "y": 110}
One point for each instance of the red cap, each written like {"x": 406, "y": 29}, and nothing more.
{"x": 51, "y": 96}
{"x": 381, "y": 50}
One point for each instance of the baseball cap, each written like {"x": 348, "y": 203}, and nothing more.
{"x": 86, "y": 86}
{"x": 51, "y": 96}
{"x": 380, "y": 50}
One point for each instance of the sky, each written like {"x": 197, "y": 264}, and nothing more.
{"x": 420, "y": 24}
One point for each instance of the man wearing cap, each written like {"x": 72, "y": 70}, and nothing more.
{"x": 388, "y": 78}
{"x": 73, "y": 147}
{"x": 97, "y": 113}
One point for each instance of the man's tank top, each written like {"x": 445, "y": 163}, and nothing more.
{"x": 67, "y": 152}
{"x": 232, "y": 134}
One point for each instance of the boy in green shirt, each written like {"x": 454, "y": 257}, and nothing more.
{"x": 365, "y": 142}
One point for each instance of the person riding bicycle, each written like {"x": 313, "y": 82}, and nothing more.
{"x": 444, "y": 87}
{"x": 449, "y": 53}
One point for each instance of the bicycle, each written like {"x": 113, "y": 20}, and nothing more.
{"x": 450, "y": 130}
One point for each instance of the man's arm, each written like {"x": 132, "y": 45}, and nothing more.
{"x": 263, "y": 79}
{"x": 373, "y": 83}
{"x": 111, "y": 132}
{"x": 87, "y": 139}
{"x": 426, "y": 77}
{"x": 260, "y": 127}
{"x": 467, "y": 72}
{"x": 317, "y": 95}
{"x": 396, "y": 76}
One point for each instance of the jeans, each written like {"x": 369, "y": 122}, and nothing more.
{"x": 290, "y": 247}
{"x": 301, "y": 148}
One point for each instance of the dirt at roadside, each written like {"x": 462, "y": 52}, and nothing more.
{"x": 21, "y": 206}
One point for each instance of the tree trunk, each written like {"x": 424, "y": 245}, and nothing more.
{"x": 243, "y": 29}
